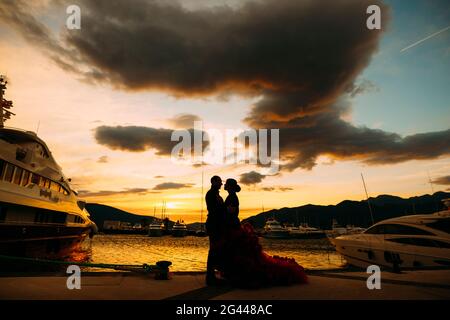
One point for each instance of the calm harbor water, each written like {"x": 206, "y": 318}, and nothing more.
{"x": 190, "y": 253}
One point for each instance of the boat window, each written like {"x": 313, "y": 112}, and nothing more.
{"x": 79, "y": 219}
{"x": 26, "y": 178}
{"x": 42, "y": 182}
{"x": 441, "y": 225}
{"x": 54, "y": 186}
{"x": 375, "y": 229}
{"x": 422, "y": 242}
{"x": 58, "y": 217}
{"x": 2, "y": 168}
{"x": 18, "y": 175}
{"x": 442, "y": 244}
{"x": 396, "y": 229}
{"x": 41, "y": 216}
{"x": 45, "y": 216}
{"x": 34, "y": 178}
{"x": 9, "y": 172}
{"x": 47, "y": 183}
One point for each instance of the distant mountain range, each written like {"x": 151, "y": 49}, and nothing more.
{"x": 99, "y": 213}
{"x": 346, "y": 212}
{"x": 353, "y": 212}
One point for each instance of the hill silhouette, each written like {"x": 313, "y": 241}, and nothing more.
{"x": 353, "y": 212}
{"x": 100, "y": 212}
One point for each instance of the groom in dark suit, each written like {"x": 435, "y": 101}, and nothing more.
{"x": 214, "y": 224}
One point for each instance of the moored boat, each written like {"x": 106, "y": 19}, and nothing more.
{"x": 412, "y": 242}
{"x": 274, "y": 230}
{"x": 40, "y": 215}
{"x": 179, "y": 229}
{"x": 338, "y": 230}
{"x": 156, "y": 229}
{"x": 306, "y": 232}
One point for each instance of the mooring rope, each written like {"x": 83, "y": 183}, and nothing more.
{"x": 161, "y": 265}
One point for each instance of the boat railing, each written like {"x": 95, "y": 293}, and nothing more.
{"x": 19, "y": 129}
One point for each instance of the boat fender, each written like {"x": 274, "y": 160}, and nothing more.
{"x": 94, "y": 230}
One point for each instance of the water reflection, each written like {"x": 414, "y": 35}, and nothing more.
{"x": 190, "y": 253}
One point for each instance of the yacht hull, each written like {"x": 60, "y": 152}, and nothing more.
{"x": 276, "y": 235}
{"x": 155, "y": 232}
{"x": 385, "y": 255}
{"x": 179, "y": 233}
{"x": 44, "y": 242}
{"x": 308, "y": 235}
{"x": 37, "y": 233}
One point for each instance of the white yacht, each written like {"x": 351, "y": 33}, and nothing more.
{"x": 156, "y": 229}
{"x": 40, "y": 215}
{"x": 415, "y": 241}
{"x": 338, "y": 230}
{"x": 304, "y": 231}
{"x": 274, "y": 230}
{"x": 179, "y": 229}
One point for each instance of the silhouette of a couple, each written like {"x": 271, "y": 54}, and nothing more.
{"x": 234, "y": 249}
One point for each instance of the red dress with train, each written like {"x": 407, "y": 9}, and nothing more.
{"x": 245, "y": 264}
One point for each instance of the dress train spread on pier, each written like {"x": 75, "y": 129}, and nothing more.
{"x": 245, "y": 264}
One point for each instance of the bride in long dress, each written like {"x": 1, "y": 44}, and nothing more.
{"x": 244, "y": 263}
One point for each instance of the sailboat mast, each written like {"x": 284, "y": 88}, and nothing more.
{"x": 165, "y": 214}
{"x": 201, "y": 196}
{"x": 2, "y": 88}
{"x": 201, "y": 203}
{"x": 431, "y": 183}
{"x": 367, "y": 197}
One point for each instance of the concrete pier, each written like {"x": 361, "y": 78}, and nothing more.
{"x": 190, "y": 286}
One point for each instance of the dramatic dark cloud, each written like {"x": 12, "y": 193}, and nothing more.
{"x": 104, "y": 193}
{"x": 309, "y": 137}
{"x": 134, "y": 138}
{"x": 172, "y": 185}
{"x": 274, "y": 48}
{"x": 301, "y": 58}
{"x": 251, "y": 177}
{"x": 305, "y": 138}
{"x": 138, "y": 139}
{"x": 184, "y": 120}
{"x": 442, "y": 180}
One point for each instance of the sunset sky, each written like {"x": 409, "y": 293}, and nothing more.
{"x": 347, "y": 100}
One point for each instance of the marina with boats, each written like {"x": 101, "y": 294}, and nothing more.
{"x": 275, "y": 230}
